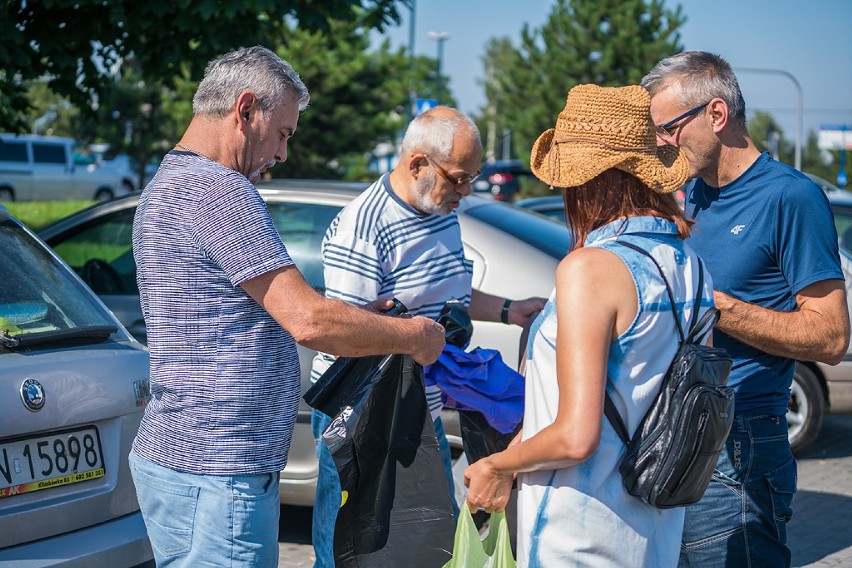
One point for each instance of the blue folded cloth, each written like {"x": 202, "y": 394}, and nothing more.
{"x": 479, "y": 380}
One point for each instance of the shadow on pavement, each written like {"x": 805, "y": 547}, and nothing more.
{"x": 819, "y": 527}
{"x": 822, "y": 507}
{"x": 834, "y": 441}
{"x": 295, "y": 525}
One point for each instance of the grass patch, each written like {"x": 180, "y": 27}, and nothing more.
{"x": 39, "y": 214}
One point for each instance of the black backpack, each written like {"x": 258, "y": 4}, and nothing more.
{"x": 672, "y": 455}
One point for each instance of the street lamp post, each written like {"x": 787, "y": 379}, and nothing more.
{"x": 412, "y": 93}
{"x": 440, "y": 37}
{"x": 798, "y": 162}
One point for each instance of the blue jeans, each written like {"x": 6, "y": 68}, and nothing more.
{"x": 742, "y": 518}
{"x": 328, "y": 493}
{"x": 208, "y": 520}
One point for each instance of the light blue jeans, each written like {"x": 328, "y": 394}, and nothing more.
{"x": 742, "y": 518}
{"x": 208, "y": 520}
{"x": 328, "y": 493}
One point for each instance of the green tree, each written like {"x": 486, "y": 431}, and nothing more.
{"x": 78, "y": 44}
{"x": 606, "y": 42}
{"x": 768, "y": 136}
{"x": 50, "y": 113}
{"x": 359, "y": 98}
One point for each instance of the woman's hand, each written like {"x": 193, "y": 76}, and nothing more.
{"x": 486, "y": 487}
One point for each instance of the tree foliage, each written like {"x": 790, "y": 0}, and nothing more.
{"x": 359, "y": 98}
{"x": 768, "y": 136}
{"x": 606, "y": 42}
{"x": 77, "y": 44}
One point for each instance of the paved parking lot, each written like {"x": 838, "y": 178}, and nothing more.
{"x": 820, "y": 533}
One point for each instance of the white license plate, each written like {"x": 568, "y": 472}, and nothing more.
{"x": 50, "y": 461}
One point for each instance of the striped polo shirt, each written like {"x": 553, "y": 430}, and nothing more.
{"x": 379, "y": 247}
{"x": 225, "y": 379}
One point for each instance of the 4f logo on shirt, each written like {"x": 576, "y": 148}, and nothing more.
{"x": 737, "y": 229}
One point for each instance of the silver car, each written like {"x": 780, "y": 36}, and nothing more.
{"x": 73, "y": 385}
{"x": 515, "y": 255}
{"x": 35, "y": 167}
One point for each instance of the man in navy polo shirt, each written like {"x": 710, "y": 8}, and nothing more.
{"x": 766, "y": 233}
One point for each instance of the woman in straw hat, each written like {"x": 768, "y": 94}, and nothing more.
{"x": 609, "y": 316}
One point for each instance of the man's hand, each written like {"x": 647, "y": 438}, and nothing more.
{"x": 379, "y": 306}
{"x": 521, "y": 310}
{"x": 428, "y": 348}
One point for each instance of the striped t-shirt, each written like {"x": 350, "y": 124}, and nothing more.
{"x": 379, "y": 247}
{"x": 225, "y": 379}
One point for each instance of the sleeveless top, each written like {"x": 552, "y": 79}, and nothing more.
{"x": 581, "y": 515}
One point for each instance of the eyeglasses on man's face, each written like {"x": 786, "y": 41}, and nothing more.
{"x": 669, "y": 128}
{"x": 467, "y": 178}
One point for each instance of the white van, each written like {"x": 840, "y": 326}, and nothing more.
{"x": 34, "y": 167}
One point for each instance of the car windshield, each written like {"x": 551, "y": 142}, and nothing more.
{"x": 545, "y": 235}
{"x": 39, "y": 300}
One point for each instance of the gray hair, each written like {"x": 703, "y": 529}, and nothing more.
{"x": 434, "y": 131}
{"x": 702, "y": 76}
{"x": 256, "y": 69}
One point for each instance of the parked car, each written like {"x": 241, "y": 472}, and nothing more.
{"x": 550, "y": 206}
{"x": 43, "y": 168}
{"x": 514, "y": 253}
{"x": 817, "y": 388}
{"x": 501, "y": 179}
{"x": 128, "y": 168}
{"x": 74, "y": 384}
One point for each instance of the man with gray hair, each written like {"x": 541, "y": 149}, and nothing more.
{"x": 224, "y": 306}
{"x": 765, "y": 232}
{"x": 401, "y": 238}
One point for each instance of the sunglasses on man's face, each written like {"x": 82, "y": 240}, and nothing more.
{"x": 669, "y": 128}
{"x": 468, "y": 178}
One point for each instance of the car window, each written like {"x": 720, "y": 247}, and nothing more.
{"x": 542, "y": 233}
{"x": 302, "y": 227}
{"x": 13, "y": 151}
{"x": 48, "y": 153}
{"x": 101, "y": 253}
{"x": 843, "y": 223}
{"x": 38, "y": 294}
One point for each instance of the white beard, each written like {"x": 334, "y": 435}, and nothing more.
{"x": 422, "y": 190}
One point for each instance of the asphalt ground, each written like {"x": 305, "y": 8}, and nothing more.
{"x": 819, "y": 534}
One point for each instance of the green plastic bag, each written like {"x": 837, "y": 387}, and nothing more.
{"x": 471, "y": 552}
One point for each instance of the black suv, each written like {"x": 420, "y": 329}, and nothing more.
{"x": 501, "y": 179}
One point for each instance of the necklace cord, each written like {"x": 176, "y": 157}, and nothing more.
{"x": 196, "y": 152}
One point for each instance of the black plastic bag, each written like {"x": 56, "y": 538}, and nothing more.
{"x": 479, "y": 438}
{"x": 334, "y": 389}
{"x": 458, "y": 327}
{"x": 396, "y": 508}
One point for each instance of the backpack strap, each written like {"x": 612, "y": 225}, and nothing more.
{"x": 704, "y": 326}
{"x": 611, "y": 412}
{"x": 666, "y": 282}
{"x": 696, "y": 329}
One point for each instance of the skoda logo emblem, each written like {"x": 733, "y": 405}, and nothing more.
{"x": 32, "y": 393}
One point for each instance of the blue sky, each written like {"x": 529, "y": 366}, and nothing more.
{"x": 810, "y": 39}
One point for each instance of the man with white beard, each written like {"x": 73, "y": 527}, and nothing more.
{"x": 401, "y": 239}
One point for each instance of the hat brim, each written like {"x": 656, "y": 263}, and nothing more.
{"x": 573, "y": 164}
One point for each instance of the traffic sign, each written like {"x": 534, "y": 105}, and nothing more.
{"x": 835, "y": 137}
{"x": 422, "y": 105}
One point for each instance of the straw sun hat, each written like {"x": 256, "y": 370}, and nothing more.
{"x": 602, "y": 128}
